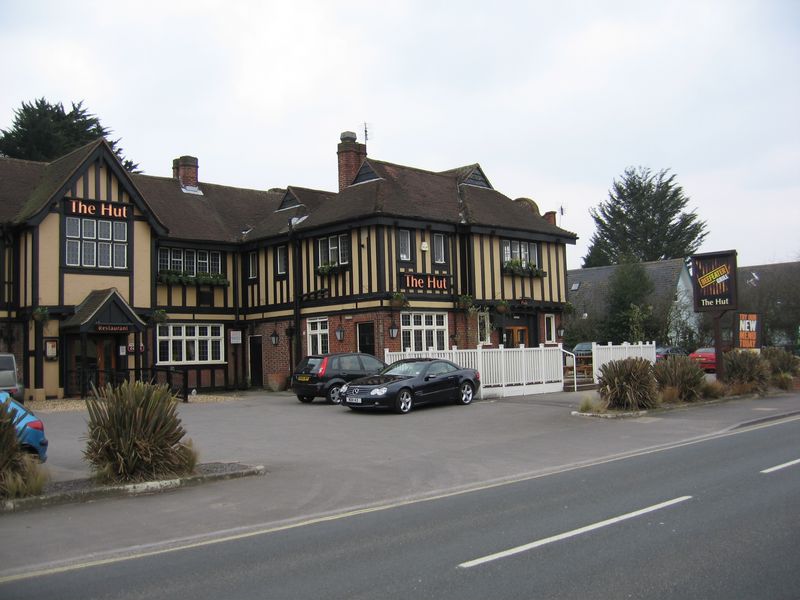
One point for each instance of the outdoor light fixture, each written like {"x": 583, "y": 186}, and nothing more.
{"x": 560, "y": 332}
{"x": 339, "y": 333}
{"x": 274, "y": 337}
{"x": 393, "y": 330}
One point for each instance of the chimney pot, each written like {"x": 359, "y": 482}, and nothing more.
{"x": 351, "y": 155}
{"x": 185, "y": 169}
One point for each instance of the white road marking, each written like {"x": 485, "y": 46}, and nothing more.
{"x": 569, "y": 534}
{"x": 783, "y": 466}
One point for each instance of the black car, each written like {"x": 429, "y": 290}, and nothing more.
{"x": 407, "y": 383}
{"x": 663, "y": 352}
{"x": 322, "y": 375}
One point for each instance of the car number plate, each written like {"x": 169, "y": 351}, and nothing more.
{"x": 303, "y": 378}
{"x": 354, "y": 400}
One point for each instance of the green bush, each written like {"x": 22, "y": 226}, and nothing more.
{"x": 780, "y": 361}
{"x": 683, "y": 375}
{"x": 746, "y": 370}
{"x": 628, "y": 384}
{"x": 135, "y": 434}
{"x": 20, "y": 473}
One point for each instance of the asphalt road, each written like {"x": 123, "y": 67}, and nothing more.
{"x": 704, "y": 519}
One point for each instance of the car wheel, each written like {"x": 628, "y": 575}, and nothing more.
{"x": 305, "y": 399}
{"x": 334, "y": 396}
{"x": 403, "y": 402}
{"x": 465, "y": 393}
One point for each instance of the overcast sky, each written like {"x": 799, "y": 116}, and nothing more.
{"x": 553, "y": 99}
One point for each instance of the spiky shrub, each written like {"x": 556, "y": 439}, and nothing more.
{"x": 628, "y": 384}
{"x": 683, "y": 375}
{"x": 746, "y": 370}
{"x": 135, "y": 434}
{"x": 780, "y": 361}
{"x": 783, "y": 381}
{"x": 20, "y": 473}
{"x": 712, "y": 390}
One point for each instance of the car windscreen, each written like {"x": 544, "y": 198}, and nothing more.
{"x": 407, "y": 369}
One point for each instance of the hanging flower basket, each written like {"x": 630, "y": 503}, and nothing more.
{"x": 398, "y": 300}
{"x": 501, "y": 307}
{"x": 41, "y": 314}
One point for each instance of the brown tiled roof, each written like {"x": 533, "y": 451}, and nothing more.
{"x": 221, "y": 213}
{"x": 224, "y": 213}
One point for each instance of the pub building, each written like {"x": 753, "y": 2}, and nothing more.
{"x": 109, "y": 275}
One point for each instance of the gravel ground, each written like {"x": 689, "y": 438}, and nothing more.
{"x": 56, "y": 405}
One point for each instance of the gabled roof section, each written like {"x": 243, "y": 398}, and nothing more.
{"x": 27, "y": 199}
{"x": 106, "y": 307}
{"x": 365, "y": 173}
{"x": 470, "y": 175}
{"x": 289, "y": 200}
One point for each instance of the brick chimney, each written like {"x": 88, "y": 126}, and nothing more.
{"x": 184, "y": 169}
{"x": 351, "y": 155}
{"x": 550, "y": 217}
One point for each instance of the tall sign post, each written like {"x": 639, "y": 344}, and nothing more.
{"x": 715, "y": 291}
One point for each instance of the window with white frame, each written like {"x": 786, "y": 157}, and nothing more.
{"x": 484, "y": 328}
{"x": 550, "y": 329}
{"x": 334, "y": 250}
{"x": 525, "y": 252}
{"x": 423, "y": 331}
{"x": 404, "y": 244}
{"x": 189, "y": 261}
{"x": 438, "y": 248}
{"x": 317, "y": 336}
{"x": 190, "y": 343}
{"x": 96, "y": 243}
{"x": 282, "y": 261}
{"x": 252, "y": 265}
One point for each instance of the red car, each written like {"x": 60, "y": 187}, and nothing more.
{"x": 706, "y": 359}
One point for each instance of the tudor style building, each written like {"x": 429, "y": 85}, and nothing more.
{"x": 108, "y": 274}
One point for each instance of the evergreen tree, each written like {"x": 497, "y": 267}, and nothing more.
{"x": 44, "y": 132}
{"x": 644, "y": 218}
{"x": 629, "y": 313}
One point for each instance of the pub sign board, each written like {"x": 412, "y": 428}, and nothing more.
{"x": 748, "y": 331}
{"x": 419, "y": 282}
{"x": 714, "y": 281}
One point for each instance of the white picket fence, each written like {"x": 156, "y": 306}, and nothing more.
{"x": 521, "y": 371}
{"x": 605, "y": 354}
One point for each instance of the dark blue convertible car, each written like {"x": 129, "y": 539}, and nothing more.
{"x": 411, "y": 382}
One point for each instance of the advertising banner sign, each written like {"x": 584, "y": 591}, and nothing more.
{"x": 714, "y": 281}
{"x": 748, "y": 331}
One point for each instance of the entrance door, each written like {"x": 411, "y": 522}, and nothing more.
{"x": 366, "y": 338}
{"x": 256, "y": 362}
{"x": 514, "y": 337}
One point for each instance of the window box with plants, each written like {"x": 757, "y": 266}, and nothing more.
{"x": 329, "y": 268}
{"x": 171, "y": 277}
{"x": 517, "y": 267}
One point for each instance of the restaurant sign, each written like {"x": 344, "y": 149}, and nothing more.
{"x": 422, "y": 282}
{"x": 714, "y": 281}
{"x": 112, "y": 328}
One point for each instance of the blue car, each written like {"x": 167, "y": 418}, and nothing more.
{"x": 30, "y": 429}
